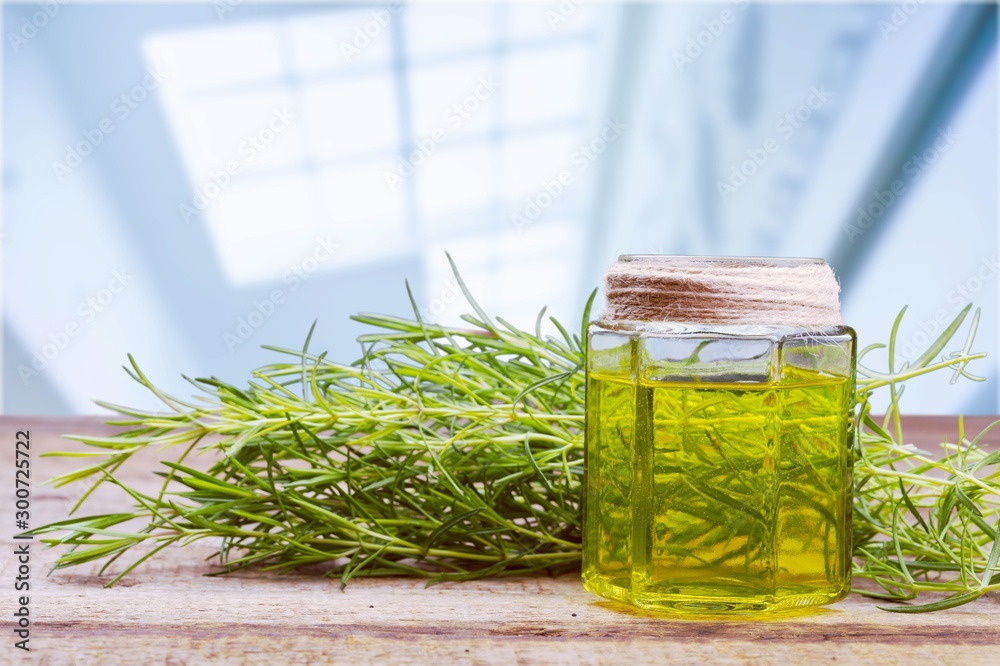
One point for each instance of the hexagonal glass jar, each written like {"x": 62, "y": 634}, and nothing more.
{"x": 718, "y": 465}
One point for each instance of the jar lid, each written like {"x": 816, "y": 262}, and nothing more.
{"x": 722, "y": 290}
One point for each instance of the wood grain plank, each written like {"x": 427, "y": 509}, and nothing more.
{"x": 168, "y": 613}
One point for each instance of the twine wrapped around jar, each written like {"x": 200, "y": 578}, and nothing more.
{"x": 725, "y": 290}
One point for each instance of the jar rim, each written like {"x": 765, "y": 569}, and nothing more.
{"x": 684, "y": 259}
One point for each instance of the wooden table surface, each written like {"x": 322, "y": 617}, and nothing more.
{"x": 168, "y": 613}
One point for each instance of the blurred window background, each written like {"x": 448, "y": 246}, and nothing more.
{"x": 188, "y": 182}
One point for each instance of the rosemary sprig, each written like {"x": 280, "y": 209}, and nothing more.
{"x": 443, "y": 452}
{"x": 457, "y": 453}
{"x": 923, "y": 521}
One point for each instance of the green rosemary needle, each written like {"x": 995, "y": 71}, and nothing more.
{"x": 443, "y": 452}
{"x": 923, "y": 521}
{"x": 457, "y": 453}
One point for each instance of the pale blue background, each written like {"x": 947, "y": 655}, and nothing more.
{"x": 897, "y": 82}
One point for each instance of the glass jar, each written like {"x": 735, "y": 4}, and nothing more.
{"x": 718, "y": 455}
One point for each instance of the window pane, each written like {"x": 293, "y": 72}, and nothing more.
{"x": 341, "y": 40}
{"x": 352, "y": 117}
{"x": 439, "y": 29}
{"x": 457, "y": 98}
{"x": 203, "y": 59}
{"x": 454, "y": 179}
{"x": 243, "y": 222}
{"x": 257, "y": 130}
{"x": 547, "y": 85}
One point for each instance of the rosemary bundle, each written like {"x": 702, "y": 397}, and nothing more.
{"x": 457, "y": 453}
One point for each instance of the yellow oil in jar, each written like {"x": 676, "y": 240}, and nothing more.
{"x": 718, "y": 497}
